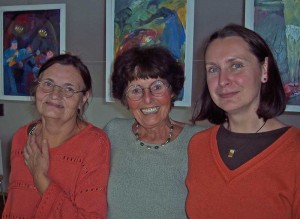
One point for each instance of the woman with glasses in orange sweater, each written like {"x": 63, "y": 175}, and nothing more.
{"x": 60, "y": 162}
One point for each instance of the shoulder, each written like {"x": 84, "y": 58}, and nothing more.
{"x": 23, "y": 131}
{"x": 205, "y": 133}
{"x": 295, "y": 131}
{"x": 293, "y": 136}
{"x": 189, "y": 130}
{"x": 194, "y": 128}
{"x": 118, "y": 124}
{"x": 93, "y": 136}
{"x": 20, "y": 136}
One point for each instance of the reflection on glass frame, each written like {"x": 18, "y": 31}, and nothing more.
{"x": 141, "y": 23}
{"x": 31, "y": 34}
{"x": 278, "y": 22}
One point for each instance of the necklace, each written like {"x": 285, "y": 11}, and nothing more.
{"x": 171, "y": 127}
{"x": 232, "y": 151}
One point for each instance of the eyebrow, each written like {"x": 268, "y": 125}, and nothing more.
{"x": 64, "y": 85}
{"x": 227, "y": 61}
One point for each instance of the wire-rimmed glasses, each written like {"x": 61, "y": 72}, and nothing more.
{"x": 157, "y": 89}
{"x": 48, "y": 86}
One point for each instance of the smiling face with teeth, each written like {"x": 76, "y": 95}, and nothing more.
{"x": 54, "y": 105}
{"x": 150, "y": 111}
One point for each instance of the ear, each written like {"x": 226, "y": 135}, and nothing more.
{"x": 85, "y": 98}
{"x": 264, "y": 71}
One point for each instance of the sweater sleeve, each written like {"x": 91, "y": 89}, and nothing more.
{"x": 89, "y": 198}
{"x": 296, "y": 204}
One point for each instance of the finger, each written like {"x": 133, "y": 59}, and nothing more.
{"x": 27, "y": 148}
{"x": 45, "y": 148}
{"x": 26, "y": 155}
{"x": 32, "y": 143}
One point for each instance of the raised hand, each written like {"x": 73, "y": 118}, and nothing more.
{"x": 36, "y": 157}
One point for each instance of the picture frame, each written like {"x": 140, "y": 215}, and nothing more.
{"x": 278, "y": 23}
{"x": 126, "y": 27}
{"x": 30, "y": 34}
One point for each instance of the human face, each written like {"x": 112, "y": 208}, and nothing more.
{"x": 234, "y": 75}
{"x": 54, "y": 105}
{"x": 150, "y": 111}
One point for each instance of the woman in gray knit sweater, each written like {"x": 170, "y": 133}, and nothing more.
{"x": 149, "y": 151}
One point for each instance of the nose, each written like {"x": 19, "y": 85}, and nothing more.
{"x": 224, "y": 79}
{"x": 57, "y": 92}
{"x": 147, "y": 97}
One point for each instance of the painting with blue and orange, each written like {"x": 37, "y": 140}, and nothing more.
{"x": 150, "y": 22}
{"x": 30, "y": 38}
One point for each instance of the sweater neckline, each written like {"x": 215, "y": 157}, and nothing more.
{"x": 268, "y": 153}
{"x": 170, "y": 144}
{"x": 70, "y": 140}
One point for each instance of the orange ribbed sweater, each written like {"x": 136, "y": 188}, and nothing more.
{"x": 267, "y": 186}
{"x": 78, "y": 171}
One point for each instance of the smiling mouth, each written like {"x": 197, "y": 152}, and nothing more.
{"x": 55, "y": 105}
{"x": 149, "y": 110}
{"x": 227, "y": 95}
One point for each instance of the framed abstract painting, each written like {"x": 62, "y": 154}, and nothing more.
{"x": 278, "y": 22}
{"x": 168, "y": 23}
{"x": 31, "y": 34}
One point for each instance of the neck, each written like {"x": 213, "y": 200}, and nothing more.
{"x": 161, "y": 143}
{"x": 58, "y": 133}
{"x": 154, "y": 134}
{"x": 241, "y": 125}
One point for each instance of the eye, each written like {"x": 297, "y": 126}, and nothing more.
{"x": 212, "y": 69}
{"x": 69, "y": 89}
{"x": 157, "y": 86}
{"x": 237, "y": 66}
{"x": 47, "y": 84}
{"x": 135, "y": 90}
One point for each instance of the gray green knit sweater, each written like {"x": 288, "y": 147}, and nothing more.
{"x": 146, "y": 183}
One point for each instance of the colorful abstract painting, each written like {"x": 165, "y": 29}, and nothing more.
{"x": 31, "y": 35}
{"x": 278, "y": 22}
{"x": 169, "y": 23}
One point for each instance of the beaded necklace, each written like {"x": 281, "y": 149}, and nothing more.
{"x": 171, "y": 127}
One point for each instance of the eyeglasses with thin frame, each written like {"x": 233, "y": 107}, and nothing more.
{"x": 157, "y": 88}
{"x": 48, "y": 86}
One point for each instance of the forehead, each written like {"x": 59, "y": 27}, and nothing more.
{"x": 144, "y": 82}
{"x": 233, "y": 45}
{"x": 63, "y": 74}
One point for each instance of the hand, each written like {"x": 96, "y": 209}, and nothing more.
{"x": 37, "y": 160}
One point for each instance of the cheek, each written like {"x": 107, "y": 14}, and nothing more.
{"x": 132, "y": 105}
{"x": 212, "y": 84}
{"x": 80, "y": 104}
{"x": 39, "y": 95}
{"x": 166, "y": 99}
